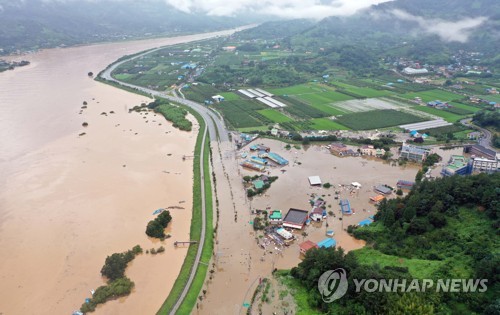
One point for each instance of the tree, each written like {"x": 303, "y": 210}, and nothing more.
{"x": 90, "y": 74}
{"x": 399, "y": 192}
{"x": 155, "y": 229}
{"x": 419, "y": 176}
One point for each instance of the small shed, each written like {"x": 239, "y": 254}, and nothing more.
{"x": 314, "y": 181}
{"x": 258, "y": 184}
{"x": 327, "y": 243}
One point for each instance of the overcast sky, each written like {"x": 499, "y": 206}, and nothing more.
{"x": 316, "y": 9}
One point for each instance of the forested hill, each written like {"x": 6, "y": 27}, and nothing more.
{"x": 34, "y": 24}
{"x": 427, "y": 30}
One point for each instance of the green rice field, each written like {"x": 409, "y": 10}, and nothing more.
{"x": 377, "y": 119}
{"x": 433, "y": 95}
{"x": 274, "y": 115}
{"x": 448, "y": 116}
{"x": 326, "y": 124}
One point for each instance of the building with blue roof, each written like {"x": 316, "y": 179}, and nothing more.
{"x": 345, "y": 206}
{"x": 327, "y": 243}
{"x": 277, "y": 158}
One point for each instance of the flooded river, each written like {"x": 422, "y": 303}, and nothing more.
{"x": 68, "y": 199}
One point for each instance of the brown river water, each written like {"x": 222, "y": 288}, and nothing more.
{"x": 68, "y": 201}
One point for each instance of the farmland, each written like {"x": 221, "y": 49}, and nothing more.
{"x": 274, "y": 115}
{"x": 377, "y": 119}
{"x": 313, "y": 96}
{"x": 326, "y": 124}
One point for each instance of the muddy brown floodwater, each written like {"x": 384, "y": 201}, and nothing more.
{"x": 68, "y": 201}
{"x": 239, "y": 261}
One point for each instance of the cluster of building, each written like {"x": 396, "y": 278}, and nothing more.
{"x": 482, "y": 160}
{"x": 260, "y": 158}
{"x": 439, "y": 104}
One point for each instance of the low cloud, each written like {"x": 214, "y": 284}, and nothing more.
{"x": 457, "y": 31}
{"x": 315, "y": 9}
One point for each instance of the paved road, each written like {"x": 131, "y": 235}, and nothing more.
{"x": 487, "y": 137}
{"x": 214, "y": 124}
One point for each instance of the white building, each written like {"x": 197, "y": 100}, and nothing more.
{"x": 412, "y": 71}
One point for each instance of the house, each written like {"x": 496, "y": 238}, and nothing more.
{"x": 276, "y": 217}
{"x": 382, "y": 189}
{"x": 307, "y": 245}
{"x": 258, "y": 184}
{"x": 377, "y": 198}
{"x": 345, "y": 207}
{"x": 337, "y": 148}
{"x": 317, "y": 214}
{"x": 371, "y": 151}
{"x": 218, "y": 98}
{"x": 314, "y": 181}
{"x": 327, "y": 243}
{"x": 295, "y": 218}
{"x": 229, "y": 48}
{"x": 414, "y": 153}
{"x": 405, "y": 184}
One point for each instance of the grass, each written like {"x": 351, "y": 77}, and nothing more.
{"x": 190, "y": 301}
{"x": 249, "y": 129}
{"x": 274, "y": 115}
{"x": 195, "y": 231}
{"x": 299, "y": 293}
{"x": 293, "y": 90}
{"x": 376, "y": 119}
{"x": 326, "y": 124}
{"x": 418, "y": 268}
{"x": 230, "y": 96}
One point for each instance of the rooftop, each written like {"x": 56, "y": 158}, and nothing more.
{"x": 307, "y": 245}
{"x": 327, "y": 243}
{"x": 314, "y": 180}
{"x": 296, "y": 216}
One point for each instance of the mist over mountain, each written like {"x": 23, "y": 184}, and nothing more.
{"x": 34, "y": 24}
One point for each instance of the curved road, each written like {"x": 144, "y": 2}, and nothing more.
{"x": 487, "y": 137}
{"x": 217, "y": 129}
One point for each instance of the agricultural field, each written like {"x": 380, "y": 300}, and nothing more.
{"x": 491, "y": 97}
{"x": 325, "y": 124}
{"x": 361, "y": 91}
{"x": 274, "y": 115}
{"x": 433, "y": 95}
{"x": 242, "y": 113}
{"x": 446, "y": 115}
{"x": 376, "y": 119}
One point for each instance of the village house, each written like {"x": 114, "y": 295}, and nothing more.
{"x": 307, "y": 245}
{"x": 371, "y": 151}
{"x": 340, "y": 149}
